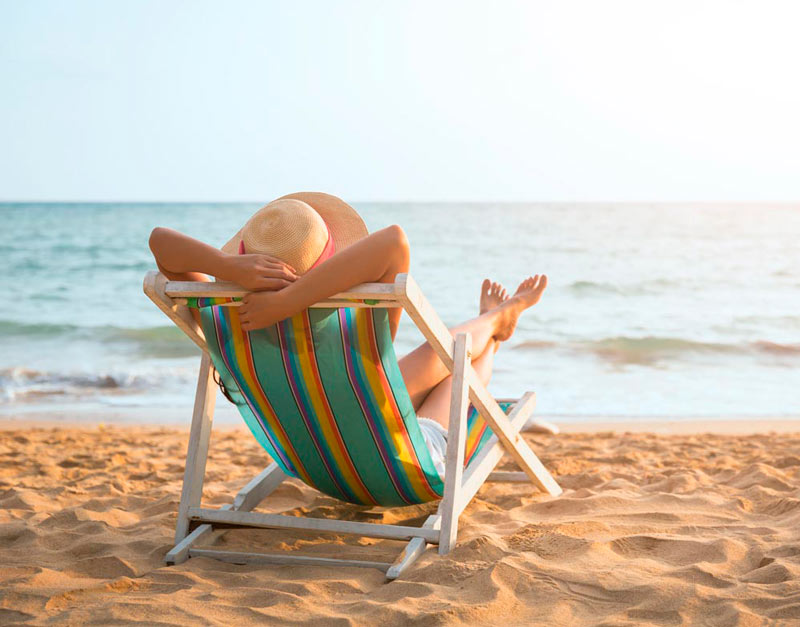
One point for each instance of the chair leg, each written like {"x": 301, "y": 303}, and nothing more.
{"x": 456, "y": 444}
{"x": 414, "y": 549}
{"x": 197, "y": 453}
{"x": 258, "y": 488}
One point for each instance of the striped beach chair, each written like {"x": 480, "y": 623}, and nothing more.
{"x": 323, "y": 395}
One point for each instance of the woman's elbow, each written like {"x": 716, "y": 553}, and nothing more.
{"x": 397, "y": 242}
{"x": 157, "y": 237}
{"x": 158, "y": 244}
{"x": 396, "y": 236}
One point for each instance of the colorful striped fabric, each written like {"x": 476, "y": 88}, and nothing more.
{"x": 323, "y": 394}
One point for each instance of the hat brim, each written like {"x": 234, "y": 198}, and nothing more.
{"x": 344, "y": 223}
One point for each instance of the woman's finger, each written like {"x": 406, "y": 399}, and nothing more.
{"x": 277, "y": 276}
{"x": 278, "y": 272}
{"x": 271, "y": 259}
{"x": 272, "y": 264}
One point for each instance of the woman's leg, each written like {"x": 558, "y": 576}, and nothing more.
{"x": 437, "y": 404}
{"x": 423, "y": 370}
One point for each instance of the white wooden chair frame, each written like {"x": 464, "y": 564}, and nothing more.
{"x": 461, "y": 484}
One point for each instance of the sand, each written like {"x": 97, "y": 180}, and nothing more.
{"x": 654, "y": 527}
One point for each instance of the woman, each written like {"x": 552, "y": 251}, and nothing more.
{"x": 305, "y": 247}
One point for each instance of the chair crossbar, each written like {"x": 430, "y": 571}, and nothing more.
{"x": 259, "y": 487}
{"x": 323, "y": 304}
{"x": 278, "y": 521}
{"x": 224, "y": 289}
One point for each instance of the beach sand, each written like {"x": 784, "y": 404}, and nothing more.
{"x": 657, "y": 525}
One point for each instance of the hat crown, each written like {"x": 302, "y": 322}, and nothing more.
{"x": 302, "y": 229}
{"x": 288, "y": 229}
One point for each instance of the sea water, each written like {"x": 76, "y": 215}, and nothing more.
{"x": 652, "y": 311}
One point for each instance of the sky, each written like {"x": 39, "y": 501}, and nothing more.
{"x": 400, "y": 101}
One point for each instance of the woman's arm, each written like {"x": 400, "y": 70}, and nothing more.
{"x": 183, "y": 258}
{"x": 379, "y": 257}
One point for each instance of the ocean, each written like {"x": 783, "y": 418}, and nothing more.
{"x": 652, "y": 311}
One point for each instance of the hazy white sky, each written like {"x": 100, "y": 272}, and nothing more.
{"x": 567, "y": 100}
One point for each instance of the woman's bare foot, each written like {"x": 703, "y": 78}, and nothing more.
{"x": 492, "y": 295}
{"x": 527, "y": 295}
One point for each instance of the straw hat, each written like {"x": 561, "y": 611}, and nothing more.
{"x": 302, "y": 234}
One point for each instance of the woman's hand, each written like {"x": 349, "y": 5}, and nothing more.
{"x": 263, "y": 309}
{"x": 258, "y": 272}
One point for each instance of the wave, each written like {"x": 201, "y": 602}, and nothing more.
{"x": 592, "y": 288}
{"x": 25, "y": 384}
{"x": 651, "y": 350}
{"x": 584, "y": 287}
{"x": 12, "y": 328}
{"x": 161, "y": 341}
{"x": 775, "y": 348}
{"x": 535, "y": 344}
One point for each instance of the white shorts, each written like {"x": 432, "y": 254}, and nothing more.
{"x": 436, "y": 439}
